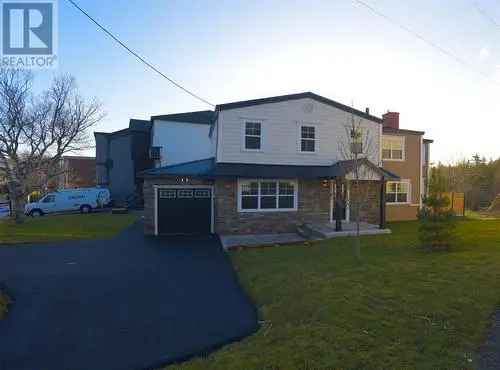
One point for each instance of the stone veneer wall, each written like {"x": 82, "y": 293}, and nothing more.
{"x": 149, "y": 198}
{"x": 313, "y": 206}
{"x": 369, "y": 191}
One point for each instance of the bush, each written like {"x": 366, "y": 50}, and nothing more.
{"x": 4, "y": 304}
{"x": 437, "y": 221}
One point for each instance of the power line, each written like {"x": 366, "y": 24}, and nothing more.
{"x": 135, "y": 54}
{"x": 421, "y": 38}
{"x": 486, "y": 15}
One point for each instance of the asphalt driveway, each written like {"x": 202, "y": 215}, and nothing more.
{"x": 133, "y": 302}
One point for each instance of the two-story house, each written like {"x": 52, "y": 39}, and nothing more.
{"x": 407, "y": 154}
{"x": 262, "y": 166}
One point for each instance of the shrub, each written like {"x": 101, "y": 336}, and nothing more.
{"x": 437, "y": 221}
{"x": 4, "y": 304}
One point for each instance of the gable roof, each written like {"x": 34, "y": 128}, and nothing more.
{"x": 135, "y": 125}
{"x": 210, "y": 169}
{"x": 204, "y": 117}
{"x": 310, "y": 95}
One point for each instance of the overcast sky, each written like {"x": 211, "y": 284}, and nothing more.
{"x": 228, "y": 50}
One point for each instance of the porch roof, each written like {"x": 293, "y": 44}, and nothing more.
{"x": 208, "y": 168}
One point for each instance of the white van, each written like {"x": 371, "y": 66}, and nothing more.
{"x": 82, "y": 199}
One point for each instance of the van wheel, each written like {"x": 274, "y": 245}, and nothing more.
{"x": 85, "y": 209}
{"x": 36, "y": 213}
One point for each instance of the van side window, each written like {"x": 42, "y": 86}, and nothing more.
{"x": 49, "y": 199}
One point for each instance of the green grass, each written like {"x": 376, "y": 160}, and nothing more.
{"x": 64, "y": 227}
{"x": 401, "y": 307}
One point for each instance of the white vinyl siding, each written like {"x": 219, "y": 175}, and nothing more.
{"x": 181, "y": 142}
{"x": 267, "y": 195}
{"x": 281, "y": 136}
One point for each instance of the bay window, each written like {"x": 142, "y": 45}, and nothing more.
{"x": 267, "y": 195}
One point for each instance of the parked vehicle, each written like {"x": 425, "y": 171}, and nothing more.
{"x": 82, "y": 199}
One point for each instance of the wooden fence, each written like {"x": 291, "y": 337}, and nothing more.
{"x": 457, "y": 202}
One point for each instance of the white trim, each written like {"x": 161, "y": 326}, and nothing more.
{"x": 408, "y": 196}
{"x": 244, "y": 134}
{"x": 211, "y": 187}
{"x": 348, "y": 201}
{"x": 421, "y": 171}
{"x": 381, "y": 134}
{"x": 403, "y": 149}
{"x": 331, "y": 201}
{"x": 295, "y": 195}
{"x": 316, "y": 137}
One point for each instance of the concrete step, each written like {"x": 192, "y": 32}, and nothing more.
{"x": 309, "y": 232}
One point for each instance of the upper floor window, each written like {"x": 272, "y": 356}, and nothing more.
{"x": 393, "y": 148}
{"x": 253, "y": 135}
{"x": 308, "y": 139}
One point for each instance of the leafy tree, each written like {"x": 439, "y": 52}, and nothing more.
{"x": 437, "y": 221}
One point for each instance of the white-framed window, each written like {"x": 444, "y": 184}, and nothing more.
{"x": 185, "y": 193}
{"x": 252, "y": 139}
{"x": 167, "y": 193}
{"x": 308, "y": 139}
{"x": 267, "y": 195}
{"x": 202, "y": 193}
{"x": 398, "y": 192}
{"x": 393, "y": 148}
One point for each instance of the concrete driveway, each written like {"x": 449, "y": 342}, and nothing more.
{"x": 133, "y": 302}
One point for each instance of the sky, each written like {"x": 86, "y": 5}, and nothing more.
{"x": 237, "y": 50}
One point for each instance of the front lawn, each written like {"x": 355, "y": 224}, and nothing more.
{"x": 64, "y": 227}
{"x": 400, "y": 308}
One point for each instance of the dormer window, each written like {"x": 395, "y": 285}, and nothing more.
{"x": 253, "y": 136}
{"x": 308, "y": 139}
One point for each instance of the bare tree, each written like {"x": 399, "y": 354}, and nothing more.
{"x": 356, "y": 147}
{"x": 37, "y": 130}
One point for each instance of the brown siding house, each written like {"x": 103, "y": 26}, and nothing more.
{"x": 77, "y": 172}
{"x": 406, "y": 154}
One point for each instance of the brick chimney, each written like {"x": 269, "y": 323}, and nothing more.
{"x": 391, "y": 120}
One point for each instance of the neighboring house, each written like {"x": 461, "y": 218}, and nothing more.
{"x": 262, "y": 166}
{"x": 407, "y": 154}
{"x": 76, "y": 172}
{"x": 183, "y": 137}
{"x": 120, "y": 156}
